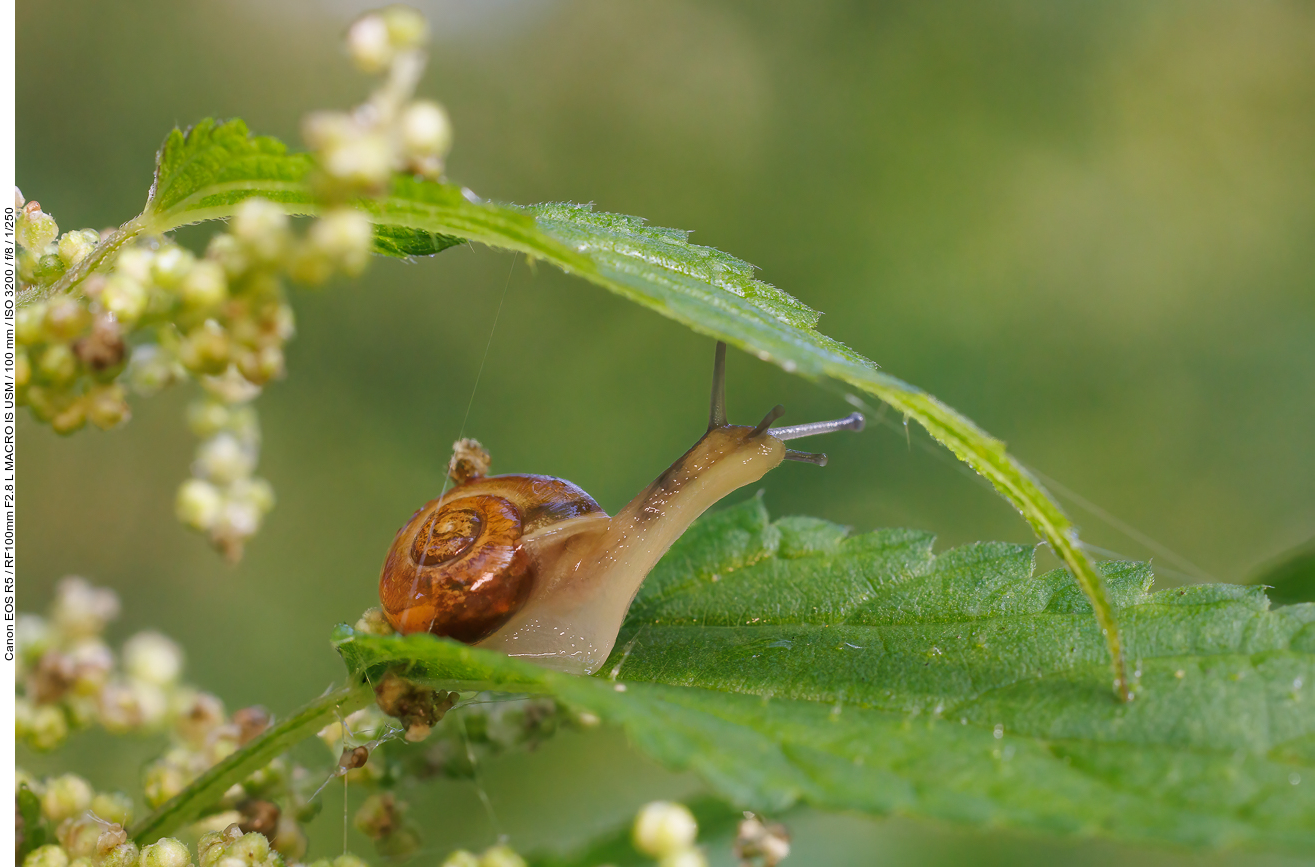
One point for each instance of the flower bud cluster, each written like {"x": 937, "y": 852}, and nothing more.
{"x": 358, "y": 151}
{"x": 667, "y": 831}
{"x": 501, "y": 855}
{"x": 69, "y": 351}
{"x": 759, "y": 843}
{"x": 156, "y": 314}
{"x": 87, "y": 824}
{"x": 70, "y": 678}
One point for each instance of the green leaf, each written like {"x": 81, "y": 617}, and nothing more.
{"x": 35, "y": 831}
{"x": 788, "y": 661}
{"x": 201, "y": 173}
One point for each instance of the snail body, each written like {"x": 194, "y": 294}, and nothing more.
{"x": 533, "y": 567}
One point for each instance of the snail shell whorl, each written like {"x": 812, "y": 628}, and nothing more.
{"x": 458, "y": 567}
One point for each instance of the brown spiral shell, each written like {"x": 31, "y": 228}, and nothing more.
{"x": 458, "y": 568}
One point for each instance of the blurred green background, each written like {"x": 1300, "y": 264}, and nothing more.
{"x": 1086, "y": 225}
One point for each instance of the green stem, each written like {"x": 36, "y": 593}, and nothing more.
{"x": 191, "y": 803}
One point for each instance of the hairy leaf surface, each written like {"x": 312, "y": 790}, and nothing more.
{"x": 789, "y": 661}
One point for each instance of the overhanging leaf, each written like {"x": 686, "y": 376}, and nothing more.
{"x": 790, "y": 662}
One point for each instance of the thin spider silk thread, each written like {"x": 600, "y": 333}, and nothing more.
{"x": 1190, "y": 570}
{"x": 469, "y": 404}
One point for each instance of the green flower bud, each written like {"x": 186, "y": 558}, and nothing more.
{"x": 684, "y": 858}
{"x": 223, "y": 459}
{"x": 58, "y": 364}
{"x": 161, "y": 781}
{"x": 46, "y": 856}
{"x": 66, "y": 796}
{"x": 170, "y": 265}
{"x": 369, "y": 44}
{"x": 79, "y": 835}
{"x": 82, "y": 610}
{"x": 30, "y": 324}
{"x": 207, "y": 417}
{"x": 344, "y": 236}
{"x": 262, "y": 227}
{"x": 204, "y": 286}
{"x": 407, "y": 28}
{"x": 664, "y": 828}
{"x": 198, "y": 504}
{"x": 21, "y": 369}
{"x": 213, "y": 846}
{"x": 113, "y": 807}
{"x": 106, "y": 406}
{"x": 206, "y": 348}
{"x": 262, "y": 365}
{"x": 461, "y": 858}
{"x": 136, "y": 263}
{"x": 501, "y": 856}
{"x": 347, "y": 859}
{"x": 152, "y": 658}
{"x": 76, "y": 245}
{"x": 35, "y": 228}
{"x": 50, "y": 267}
{"x": 66, "y": 319}
{"x": 252, "y": 849}
{"x": 70, "y": 419}
{"x": 125, "y": 297}
{"x": 166, "y": 852}
{"x": 46, "y": 728}
{"x": 122, "y": 855}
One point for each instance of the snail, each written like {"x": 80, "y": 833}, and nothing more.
{"x": 532, "y": 566}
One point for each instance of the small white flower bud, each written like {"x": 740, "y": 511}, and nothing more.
{"x": 91, "y": 661}
{"x": 81, "y": 609}
{"x": 501, "y": 856}
{"x": 124, "y": 297}
{"x": 46, "y": 856}
{"x": 369, "y": 44}
{"x": 166, "y": 852}
{"x": 684, "y": 858}
{"x": 364, "y": 159}
{"x": 107, "y": 406}
{"x": 262, "y": 227}
{"x": 253, "y": 492}
{"x": 198, "y": 504}
{"x": 35, "y": 228}
{"x": 663, "y": 828}
{"x": 229, "y": 252}
{"x": 324, "y": 130}
{"x": 75, "y": 246}
{"x": 151, "y": 368}
{"x": 347, "y": 859}
{"x": 153, "y": 658}
{"x": 137, "y": 263}
{"x": 426, "y": 129}
{"x": 461, "y": 858}
{"x": 170, "y": 265}
{"x": 19, "y": 201}
{"x": 65, "y": 797}
{"x": 223, "y": 459}
{"x": 374, "y": 622}
{"x": 238, "y": 521}
{"x": 344, "y": 236}
{"x": 113, "y": 807}
{"x": 34, "y": 635}
{"x": 204, "y": 286}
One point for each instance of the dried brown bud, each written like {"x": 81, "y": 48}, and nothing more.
{"x": 469, "y": 461}
{"x": 353, "y": 758}
{"x": 103, "y": 347}
{"x": 419, "y": 708}
{"x": 758, "y": 842}
{"x": 259, "y": 816}
{"x": 250, "y": 722}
